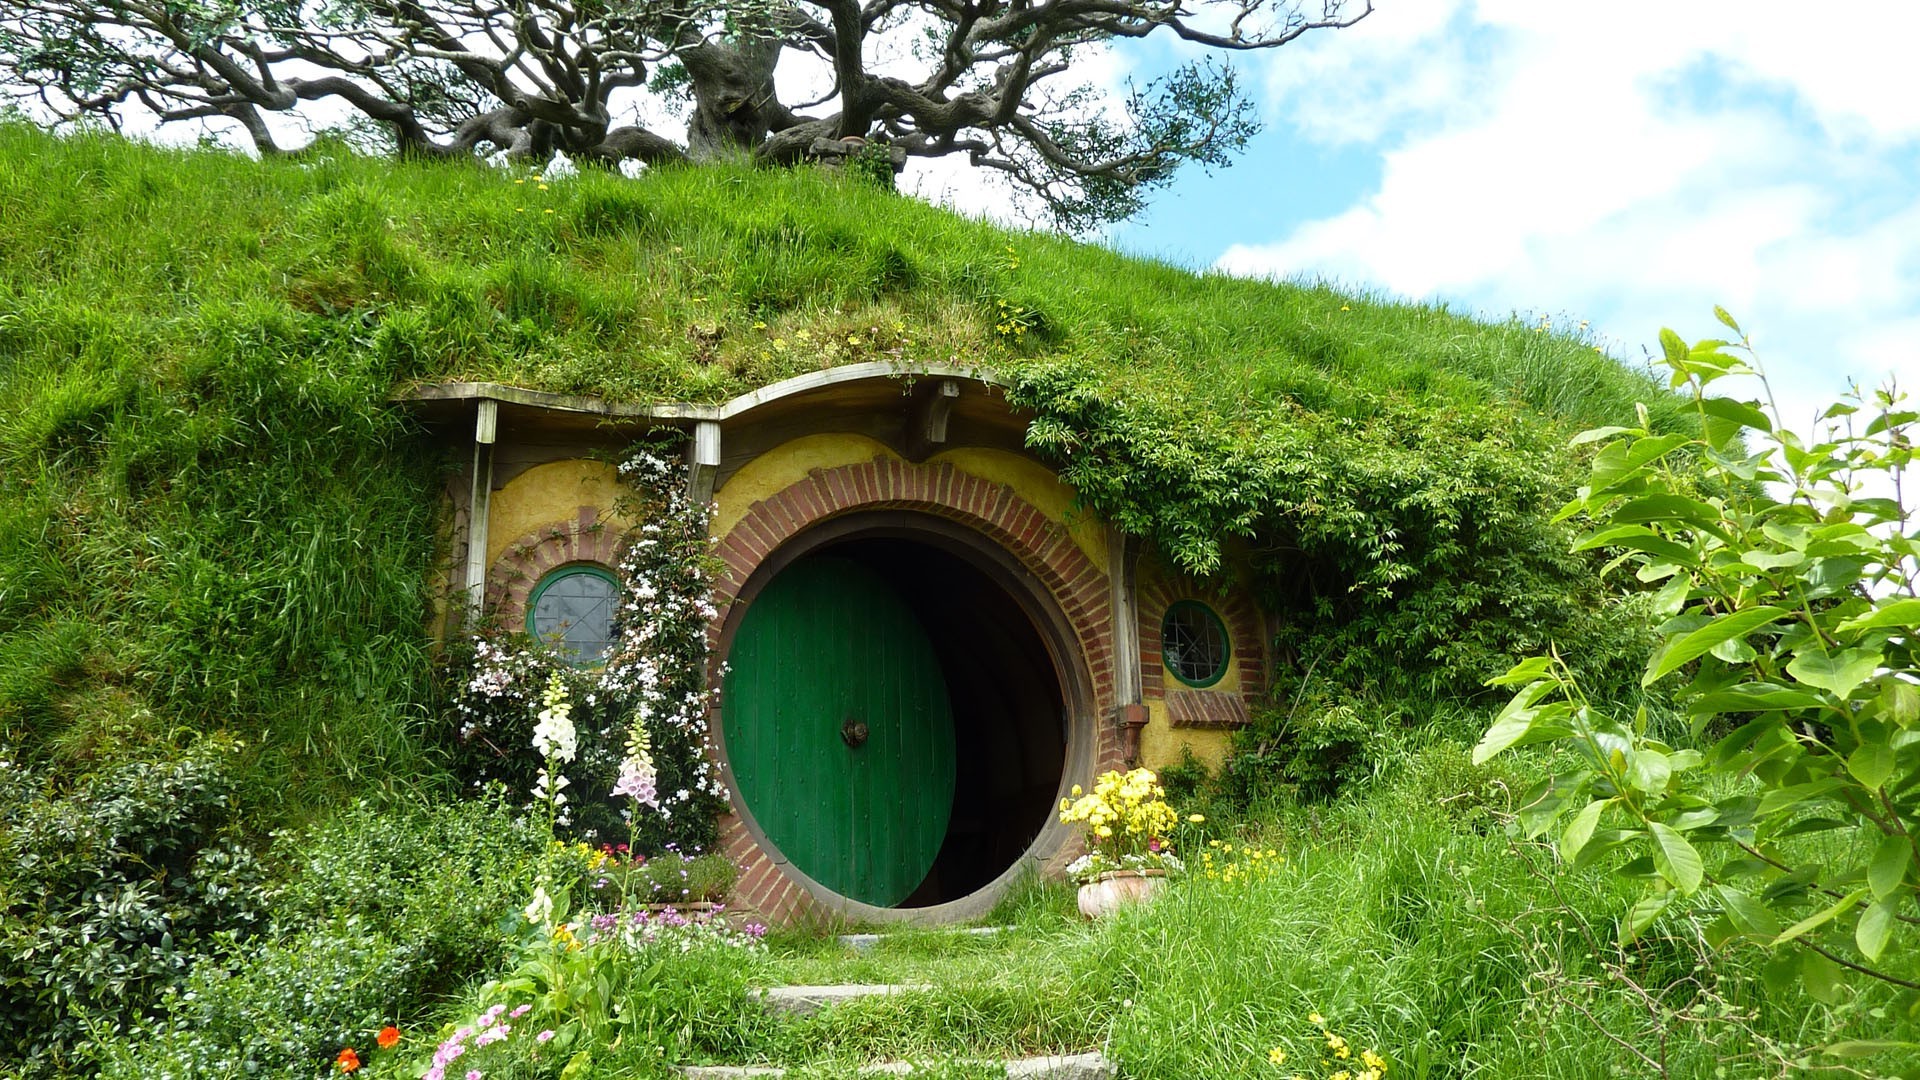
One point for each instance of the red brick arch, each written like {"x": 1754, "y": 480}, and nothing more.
{"x": 581, "y": 538}
{"x": 1243, "y": 628}
{"x": 1077, "y": 586}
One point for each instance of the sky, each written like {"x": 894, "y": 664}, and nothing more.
{"x": 1626, "y": 165}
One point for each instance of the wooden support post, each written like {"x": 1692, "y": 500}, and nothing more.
{"x": 703, "y": 460}
{"x": 1129, "y": 715}
{"x": 485, "y": 423}
{"x": 927, "y": 422}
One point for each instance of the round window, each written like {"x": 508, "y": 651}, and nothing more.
{"x": 1193, "y": 642}
{"x": 571, "y": 610}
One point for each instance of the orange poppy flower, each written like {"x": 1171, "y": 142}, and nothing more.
{"x": 348, "y": 1060}
{"x": 387, "y": 1037}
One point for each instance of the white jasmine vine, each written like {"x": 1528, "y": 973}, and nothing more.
{"x": 654, "y": 684}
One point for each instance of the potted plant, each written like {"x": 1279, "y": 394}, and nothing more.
{"x": 1125, "y": 822}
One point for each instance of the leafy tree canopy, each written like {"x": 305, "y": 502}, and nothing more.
{"x": 778, "y": 80}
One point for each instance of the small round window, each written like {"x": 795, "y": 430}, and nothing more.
{"x": 1193, "y": 642}
{"x": 571, "y": 611}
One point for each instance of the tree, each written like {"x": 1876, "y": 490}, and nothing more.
{"x": 449, "y": 78}
{"x": 1789, "y": 594}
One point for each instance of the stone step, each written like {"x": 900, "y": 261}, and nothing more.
{"x": 866, "y": 942}
{"x": 806, "y": 1000}
{"x": 1091, "y": 1066}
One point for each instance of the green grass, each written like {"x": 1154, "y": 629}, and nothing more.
{"x": 211, "y": 517}
{"x": 1431, "y": 942}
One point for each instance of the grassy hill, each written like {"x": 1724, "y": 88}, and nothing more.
{"x": 215, "y": 542}
{"x": 210, "y": 517}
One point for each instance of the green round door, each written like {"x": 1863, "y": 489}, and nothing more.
{"x": 839, "y": 731}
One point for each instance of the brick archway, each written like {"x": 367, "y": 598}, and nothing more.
{"x": 1073, "y": 585}
{"x": 583, "y": 538}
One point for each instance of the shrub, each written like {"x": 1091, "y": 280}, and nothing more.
{"x": 1315, "y": 748}
{"x": 112, "y": 890}
{"x": 383, "y": 912}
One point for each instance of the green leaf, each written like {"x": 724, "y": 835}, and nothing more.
{"x": 1821, "y": 918}
{"x": 1863, "y": 1048}
{"x": 1743, "y": 413}
{"x": 1888, "y": 870}
{"x": 1511, "y": 725}
{"x": 1781, "y": 798}
{"x": 1675, "y": 858}
{"x": 1580, "y": 829}
{"x": 1750, "y": 915}
{"x": 1526, "y": 671}
{"x": 1838, "y": 672}
{"x": 1699, "y": 642}
{"x": 1874, "y": 930}
{"x": 1821, "y": 978}
{"x": 1596, "y": 434}
{"x": 1726, "y": 320}
{"x": 1871, "y": 763}
{"x": 1893, "y": 613}
{"x": 1674, "y": 348}
{"x": 1753, "y": 697}
{"x": 1649, "y": 771}
{"x": 1667, "y": 507}
{"x": 1641, "y": 915}
{"x": 1638, "y": 538}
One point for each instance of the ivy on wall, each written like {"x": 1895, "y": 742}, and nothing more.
{"x": 1407, "y": 549}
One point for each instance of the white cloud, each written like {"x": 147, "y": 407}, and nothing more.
{"x": 1568, "y": 158}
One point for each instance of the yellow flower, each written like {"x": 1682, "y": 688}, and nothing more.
{"x": 1076, "y": 791}
{"x": 1315, "y": 1018}
{"x": 1277, "y": 1056}
{"x": 1373, "y": 1060}
{"x": 1196, "y": 819}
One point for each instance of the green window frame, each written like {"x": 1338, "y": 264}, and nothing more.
{"x": 1195, "y": 647}
{"x": 557, "y": 576}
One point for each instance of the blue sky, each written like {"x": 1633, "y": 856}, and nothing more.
{"x": 1591, "y": 162}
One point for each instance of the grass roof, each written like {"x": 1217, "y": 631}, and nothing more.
{"x": 211, "y": 517}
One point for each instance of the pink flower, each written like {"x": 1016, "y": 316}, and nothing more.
{"x": 521, "y": 1011}
{"x": 544, "y": 1036}
{"x": 473, "y": 1074}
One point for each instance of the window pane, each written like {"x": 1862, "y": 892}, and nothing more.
{"x": 574, "y": 614}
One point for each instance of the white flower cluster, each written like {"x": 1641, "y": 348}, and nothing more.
{"x": 556, "y": 741}
{"x": 660, "y": 661}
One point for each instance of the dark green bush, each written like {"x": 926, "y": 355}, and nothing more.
{"x": 1314, "y": 749}
{"x": 112, "y": 890}
{"x": 385, "y": 913}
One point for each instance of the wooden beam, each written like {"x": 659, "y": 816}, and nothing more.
{"x": 486, "y": 423}
{"x": 703, "y": 460}
{"x": 927, "y": 422}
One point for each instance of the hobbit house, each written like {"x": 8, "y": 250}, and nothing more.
{"x": 920, "y": 642}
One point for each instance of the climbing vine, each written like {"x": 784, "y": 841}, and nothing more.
{"x": 1406, "y": 550}
{"x": 644, "y": 764}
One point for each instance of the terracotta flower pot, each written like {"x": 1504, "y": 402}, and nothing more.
{"x": 1116, "y": 889}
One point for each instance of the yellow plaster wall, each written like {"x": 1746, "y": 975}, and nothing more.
{"x": 791, "y": 461}
{"x": 1161, "y": 743}
{"x": 1038, "y": 485}
{"x": 784, "y": 466}
{"x": 550, "y": 493}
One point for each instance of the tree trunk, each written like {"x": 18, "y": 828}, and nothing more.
{"x": 734, "y": 107}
